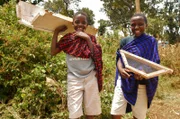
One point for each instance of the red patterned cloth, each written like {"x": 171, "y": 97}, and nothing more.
{"x": 79, "y": 48}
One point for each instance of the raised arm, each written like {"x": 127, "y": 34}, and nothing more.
{"x": 54, "y": 47}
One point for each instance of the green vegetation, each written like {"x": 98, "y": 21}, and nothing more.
{"x": 163, "y": 17}
{"x": 25, "y": 62}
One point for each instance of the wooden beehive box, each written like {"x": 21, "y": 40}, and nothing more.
{"x": 37, "y": 18}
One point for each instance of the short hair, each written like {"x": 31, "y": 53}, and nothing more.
{"x": 80, "y": 12}
{"x": 141, "y": 15}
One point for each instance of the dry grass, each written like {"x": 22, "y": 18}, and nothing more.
{"x": 166, "y": 104}
{"x": 168, "y": 108}
{"x": 170, "y": 57}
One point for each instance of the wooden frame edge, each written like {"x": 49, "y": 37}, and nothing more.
{"x": 160, "y": 69}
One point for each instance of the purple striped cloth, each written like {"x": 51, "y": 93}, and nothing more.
{"x": 144, "y": 46}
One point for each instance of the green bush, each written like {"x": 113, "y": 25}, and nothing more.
{"x": 25, "y": 64}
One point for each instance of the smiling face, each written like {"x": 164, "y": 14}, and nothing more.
{"x": 80, "y": 22}
{"x": 138, "y": 25}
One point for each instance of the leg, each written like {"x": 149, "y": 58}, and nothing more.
{"x": 92, "y": 102}
{"x": 116, "y": 116}
{"x": 134, "y": 117}
{"x": 75, "y": 97}
{"x": 119, "y": 103}
{"x": 74, "y": 118}
{"x": 89, "y": 117}
{"x": 139, "y": 110}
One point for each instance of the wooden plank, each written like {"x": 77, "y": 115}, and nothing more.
{"x": 137, "y": 71}
{"x": 27, "y": 11}
{"x": 145, "y": 61}
{"x": 159, "y": 68}
{"x": 157, "y": 73}
{"x": 40, "y": 19}
{"x": 49, "y": 22}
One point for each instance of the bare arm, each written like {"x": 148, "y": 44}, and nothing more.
{"x": 123, "y": 71}
{"x": 54, "y": 48}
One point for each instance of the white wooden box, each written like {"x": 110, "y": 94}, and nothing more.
{"x": 37, "y": 18}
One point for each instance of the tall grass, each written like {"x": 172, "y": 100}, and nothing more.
{"x": 170, "y": 57}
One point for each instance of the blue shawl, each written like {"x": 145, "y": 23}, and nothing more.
{"x": 144, "y": 46}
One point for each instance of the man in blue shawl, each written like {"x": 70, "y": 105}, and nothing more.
{"x": 132, "y": 92}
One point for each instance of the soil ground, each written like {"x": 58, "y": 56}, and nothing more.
{"x": 167, "y": 108}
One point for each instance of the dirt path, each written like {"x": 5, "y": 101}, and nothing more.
{"x": 168, "y": 108}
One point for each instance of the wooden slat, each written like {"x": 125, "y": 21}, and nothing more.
{"x": 160, "y": 69}
{"x": 40, "y": 19}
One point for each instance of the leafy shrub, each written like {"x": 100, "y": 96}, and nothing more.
{"x": 25, "y": 64}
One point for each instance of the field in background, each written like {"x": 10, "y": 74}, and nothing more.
{"x": 166, "y": 104}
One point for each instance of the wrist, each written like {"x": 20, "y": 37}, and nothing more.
{"x": 120, "y": 68}
{"x": 56, "y": 32}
